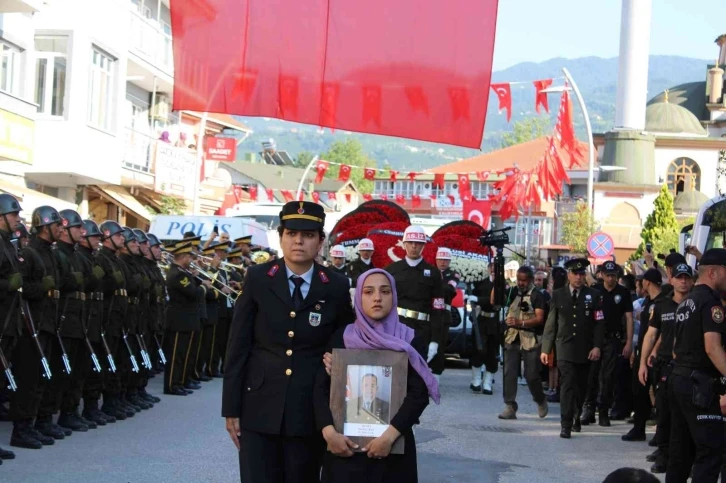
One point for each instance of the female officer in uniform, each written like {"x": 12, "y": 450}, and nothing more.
{"x": 283, "y": 320}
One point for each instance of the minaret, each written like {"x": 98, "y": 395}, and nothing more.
{"x": 627, "y": 145}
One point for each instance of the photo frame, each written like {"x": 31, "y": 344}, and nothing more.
{"x": 366, "y": 391}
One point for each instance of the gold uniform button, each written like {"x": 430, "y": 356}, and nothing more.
{"x": 292, "y": 314}
{"x": 288, "y": 372}
{"x": 291, "y": 334}
{"x": 574, "y": 325}
{"x": 574, "y": 333}
{"x": 288, "y": 352}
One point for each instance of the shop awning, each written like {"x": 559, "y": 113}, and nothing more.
{"x": 125, "y": 200}
{"x": 31, "y": 199}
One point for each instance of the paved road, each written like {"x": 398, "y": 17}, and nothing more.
{"x": 183, "y": 439}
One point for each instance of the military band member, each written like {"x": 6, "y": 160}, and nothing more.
{"x": 486, "y": 337}
{"x": 575, "y": 325}
{"x": 182, "y": 317}
{"x": 190, "y": 382}
{"x": 244, "y": 243}
{"x": 364, "y": 262}
{"x": 237, "y": 273}
{"x": 283, "y": 321}
{"x": 617, "y": 307}
{"x": 697, "y": 378}
{"x": 522, "y": 343}
{"x": 450, "y": 280}
{"x": 420, "y": 291}
{"x": 11, "y": 282}
{"x": 216, "y": 351}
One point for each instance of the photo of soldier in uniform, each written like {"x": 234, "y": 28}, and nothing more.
{"x": 368, "y": 394}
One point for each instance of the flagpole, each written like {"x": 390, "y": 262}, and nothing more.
{"x": 305, "y": 176}
{"x": 200, "y": 160}
{"x": 590, "y": 143}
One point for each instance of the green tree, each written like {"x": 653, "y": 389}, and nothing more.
{"x": 303, "y": 158}
{"x": 577, "y": 227}
{"x": 171, "y": 205}
{"x": 350, "y": 152}
{"x": 661, "y": 227}
{"x": 526, "y": 130}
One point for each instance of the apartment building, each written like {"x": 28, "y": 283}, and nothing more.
{"x": 95, "y": 79}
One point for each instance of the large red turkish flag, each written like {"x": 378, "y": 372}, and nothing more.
{"x": 378, "y": 66}
{"x": 479, "y": 211}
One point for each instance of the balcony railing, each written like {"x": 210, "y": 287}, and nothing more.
{"x": 138, "y": 151}
{"x": 151, "y": 43}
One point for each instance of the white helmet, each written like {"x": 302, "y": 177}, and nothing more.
{"x": 414, "y": 233}
{"x": 338, "y": 251}
{"x": 365, "y": 244}
{"x": 443, "y": 254}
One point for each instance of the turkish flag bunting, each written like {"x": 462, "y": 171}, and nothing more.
{"x": 412, "y": 175}
{"x": 316, "y": 196}
{"x": 464, "y": 185}
{"x": 565, "y": 132}
{"x": 482, "y": 175}
{"x": 504, "y": 93}
{"x": 228, "y": 58}
{"x": 433, "y": 196}
{"x": 253, "y": 193}
{"x": 384, "y": 197}
{"x": 369, "y": 174}
{"x": 332, "y": 196}
{"x": 541, "y": 97}
{"x": 321, "y": 168}
{"x": 347, "y": 197}
{"x": 270, "y": 195}
{"x": 344, "y": 173}
{"x": 301, "y": 196}
{"x": 367, "y": 197}
{"x": 394, "y": 175}
{"x": 439, "y": 181}
{"x": 479, "y": 211}
{"x": 415, "y": 201}
{"x": 287, "y": 194}
{"x": 400, "y": 199}
{"x": 452, "y": 199}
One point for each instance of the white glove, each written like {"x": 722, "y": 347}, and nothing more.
{"x": 473, "y": 298}
{"x": 433, "y": 349}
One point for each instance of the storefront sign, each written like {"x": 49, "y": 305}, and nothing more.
{"x": 220, "y": 149}
{"x": 175, "y": 171}
{"x": 16, "y": 137}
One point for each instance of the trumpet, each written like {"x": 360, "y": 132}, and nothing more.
{"x": 226, "y": 266}
{"x": 212, "y": 277}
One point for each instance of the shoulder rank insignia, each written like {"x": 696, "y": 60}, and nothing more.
{"x": 273, "y": 270}
{"x": 323, "y": 277}
{"x": 184, "y": 282}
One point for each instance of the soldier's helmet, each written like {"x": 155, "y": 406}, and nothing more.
{"x": 129, "y": 235}
{"x": 8, "y": 204}
{"x": 140, "y": 235}
{"x": 70, "y": 218}
{"x": 44, "y": 216}
{"x": 91, "y": 228}
{"x": 153, "y": 240}
{"x": 110, "y": 228}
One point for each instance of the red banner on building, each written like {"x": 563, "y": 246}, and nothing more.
{"x": 352, "y": 64}
{"x": 220, "y": 149}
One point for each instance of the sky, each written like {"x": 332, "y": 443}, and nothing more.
{"x": 538, "y": 30}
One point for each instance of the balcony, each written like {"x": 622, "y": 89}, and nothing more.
{"x": 151, "y": 43}
{"x": 138, "y": 151}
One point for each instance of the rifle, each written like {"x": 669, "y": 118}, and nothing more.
{"x": 8, "y": 373}
{"x": 145, "y": 360}
{"x": 58, "y": 327}
{"x": 160, "y": 350}
{"x": 84, "y": 325}
{"x": 109, "y": 355}
{"x": 30, "y": 325}
{"x": 134, "y": 364}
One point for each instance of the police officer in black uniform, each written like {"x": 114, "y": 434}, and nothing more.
{"x": 698, "y": 375}
{"x": 450, "y": 279}
{"x": 115, "y": 303}
{"x": 363, "y": 263}
{"x": 11, "y": 281}
{"x": 617, "y": 307}
{"x": 420, "y": 291}
{"x": 282, "y": 324}
{"x": 658, "y": 354}
{"x": 486, "y": 335}
{"x": 575, "y": 325}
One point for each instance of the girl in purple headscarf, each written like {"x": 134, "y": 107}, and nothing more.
{"x": 376, "y": 328}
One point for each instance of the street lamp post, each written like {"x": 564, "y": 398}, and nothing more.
{"x": 305, "y": 175}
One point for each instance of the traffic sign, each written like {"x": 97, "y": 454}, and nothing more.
{"x": 600, "y": 245}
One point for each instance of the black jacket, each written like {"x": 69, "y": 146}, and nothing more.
{"x": 71, "y": 305}
{"x": 182, "y": 312}
{"x": 39, "y": 261}
{"x": 356, "y": 268}
{"x": 9, "y": 265}
{"x": 114, "y": 304}
{"x": 94, "y": 306}
{"x": 274, "y": 352}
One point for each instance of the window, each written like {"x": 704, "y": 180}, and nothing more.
{"x": 9, "y": 69}
{"x": 683, "y": 175}
{"x": 50, "y": 74}
{"x": 100, "y": 106}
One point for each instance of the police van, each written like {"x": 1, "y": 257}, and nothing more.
{"x": 707, "y": 231}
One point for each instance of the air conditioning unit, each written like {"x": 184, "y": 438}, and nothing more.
{"x": 161, "y": 108}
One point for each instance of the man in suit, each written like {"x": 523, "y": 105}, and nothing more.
{"x": 368, "y": 408}
{"x": 575, "y": 324}
{"x": 282, "y": 324}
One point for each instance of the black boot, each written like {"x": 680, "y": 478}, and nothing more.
{"x": 148, "y": 397}
{"x": 4, "y": 415}
{"x": 138, "y": 402}
{"x": 577, "y": 426}
{"x": 588, "y": 416}
{"x": 70, "y": 421}
{"x": 44, "y": 425}
{"x": 634, "y": 435}
{"x": 204, "y": 378}
{"x": 653, "y": 457}
{"x": 604, "y": 418}
{"x": 6, "y": 455}
{"x": 111, "y": 409}
{"x": 660, "y": 465}
{"x": 123, "y": 401}
{"x": 23, "y": 437}
{"x": 566, "y": 433}
{"x": 93, "y": 415}
{"x": 87, "y": 422}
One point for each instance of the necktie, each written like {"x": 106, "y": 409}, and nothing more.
{"x": 297, "y": 297}
{"x": 574, "y": 297}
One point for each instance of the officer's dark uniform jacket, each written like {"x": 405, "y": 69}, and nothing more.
{"x": 72, "y": 291}
{"x": 574, "y": 330}
{"x": 144, "y": 297}
{"x": 699, "y": 313}
{"x": 114, "y": 291}
{"x": 39, "y": 261}
{"x": 274, "y": 351}
{"x": 92, "y": 287}
{"x": 448, "y": 276}
{"x": 182, "y": 312}
{"x": 421, "y": 290}
{"x": 9, "y": 265}
{"x": 664, "y": 319}
{"x": 488, "y": 317}
{"x": 615, "y": 304}
{"x": 134, "y": 281}
{"x": 356, "y": 268}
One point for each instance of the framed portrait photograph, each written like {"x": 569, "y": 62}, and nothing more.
{"x": 367, "y": 390}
